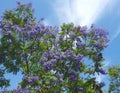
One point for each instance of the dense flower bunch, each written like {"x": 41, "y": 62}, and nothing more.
{"x": 52, "y": 59}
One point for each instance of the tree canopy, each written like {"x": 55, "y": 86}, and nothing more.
{"x": 52, "y": 59}
{"x": 114, "y": 76}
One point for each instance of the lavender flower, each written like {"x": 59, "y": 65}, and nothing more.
{"x": 18, "y": 2}
{"x": 77, "y": 57}
{"x": 102, "y": 71}
{"x": 43, "y": 59}
{"x": 59, "y": 75}
{"x": 71, "y": 71}
{"x": 33, "y": 79}
{"x": 79, "y": 88}
{"x": 20, "y": 90}
{"x": 37, "y": 87}
{"x": 101, "y": 32}
{"x": 29, "y": 5}
{"x": 8, "y": 24}
{"x": 83, "y": 28}
{"x": 78, "y": 44}
{"x": 47, "y": 65}
{"x": 9, "y": 33}
{"x": 41, "y": 19}
{"x": 72, "y": 35}
{"x": 68, "y": 52}
{"x": 24, "y": 77}
{"x": 63, "y": 57}
{"x": 102, "y": 84}
{"x": 53, "y": 61}
{"x": 98, "y": 44}
{"x": 1, "y": 23}
{"x": 18, "y": 30}
{"x": 78, "y": 39}
{"x": 73, "y": 78}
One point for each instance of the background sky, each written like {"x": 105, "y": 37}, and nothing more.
{"x": 102, "y": 13}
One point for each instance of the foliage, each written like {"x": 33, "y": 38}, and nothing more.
{"x": 114, "y": 75}
{"x": 51, "y": 59}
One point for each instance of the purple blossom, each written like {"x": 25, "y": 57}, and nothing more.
{"x": 92, "y": 26}
{"x": 77, "y": 57}
{"x": 53, "y": 61}
{"x": 101, "y": 32}
{"x": 37, "y": 87}
{"x": 102, "y": 84}
{"x": 24, "y": 77}
{"x": 1, "y": 23}
{"x": 18, "y": 2}
{"x": 98, "y": 44}
{"x": 60, "y": 39}
{"x": 79, "y": 88}
{"x": 102, "y": 71}
{"x": 78, "y": 44}
{"x": 106, "y": 40}
{"x": 9, "y": 24}
{"x": 43, "y": 59}
{"x": 9, "y": 33}
{"x": 2, "y": 78}
{"x": 73, "y": 78}
{"x": 33, "y": 32}
{"x": 37, "y": 27}
{"x": 68, "y": 52}
{"x": 63, "y": 57}
{"x": 49, "y": 54}
{"x": 72, "y": 35}
{"x": 83, "y": 28}
{"x": 59, "y": 75}
{"x": 33, "y": 79}
{"x": 71, "y": 71}
{"x": 42, "y": 19}
{"x": 20, "y": 90}
{"x": 47, "y": 65}
{"x": 29, "y": 5}
{"x": 78, "y": 39}
{"x": 18, "y": 30}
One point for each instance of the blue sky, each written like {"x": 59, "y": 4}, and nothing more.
{"x": 102, "y": 13}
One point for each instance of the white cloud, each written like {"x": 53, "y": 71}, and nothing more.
{"x": 83, "y": 12}
{"x": 116, "y": 34}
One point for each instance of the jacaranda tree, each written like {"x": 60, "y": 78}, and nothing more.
{"x": 51, "y": 59}
{"x": 114, "y": 76}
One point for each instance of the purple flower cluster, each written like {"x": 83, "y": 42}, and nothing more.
{"x": 59, "y": 75}
{"x": 102, "y": 84}
{"x": 50, "y": 59}
{"x": 102, "y": 71}
{"x": 79, "y": 88}
{"x": 48, "y": 66}
{"x": 9, "y": 33}
{"x": 100, "y": 37}
{"x": 83, "y": 30}
{"x": 1, "y": 24}
{"x": 58, "y": 55}
{"x": 77, "y": 57}
{"x": 21, "y": 90}
{"x": 33, "y": 79}
{"x": 73, "y": 78}
{"x": 72, "y": 35}
{"x": 2, "y": 79}
{"x": 30, "y": 79}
